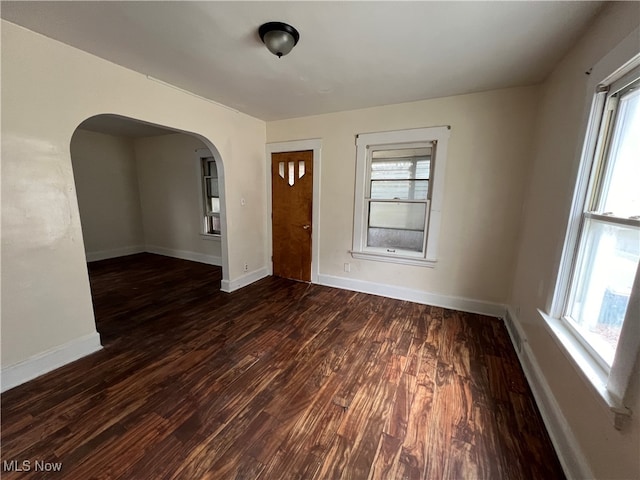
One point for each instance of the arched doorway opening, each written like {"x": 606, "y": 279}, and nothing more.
{"x": 144, "y": 191}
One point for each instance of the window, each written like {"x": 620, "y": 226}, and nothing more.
{"x": 210, "y": 196}
{"x": 398, "y": 199}
{"x": 597, "y": 292}
{"x": 609, "y": 244}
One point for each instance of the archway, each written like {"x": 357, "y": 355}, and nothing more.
{"x": 140, "y": 188}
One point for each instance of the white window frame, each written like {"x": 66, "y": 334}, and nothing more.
{"x": 610, "y": 383}
{"x": 203, "y": 154}
{"x": 365, "y": 143}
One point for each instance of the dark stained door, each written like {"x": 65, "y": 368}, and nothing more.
{"x": 292, "y": 202}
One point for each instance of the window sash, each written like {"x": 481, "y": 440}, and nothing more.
{"x": 582, "y": 291}
{"x": 399, "y": 237}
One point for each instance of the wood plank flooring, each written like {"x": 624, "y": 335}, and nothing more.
{"x": 280, "y": 380}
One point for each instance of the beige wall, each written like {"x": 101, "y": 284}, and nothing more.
{"x": 140, "y": 194}
{"x": 48, "y": 89}
{"x": 171, "y": 195}
{"x": 489, "y": 154}
{"x": 564, "y": 109}
{"x": 104, "y": 170}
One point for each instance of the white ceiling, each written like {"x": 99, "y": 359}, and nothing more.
{"x": 350, "y": 55}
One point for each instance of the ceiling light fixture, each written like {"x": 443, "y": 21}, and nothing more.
{"x": 279, "y": 37}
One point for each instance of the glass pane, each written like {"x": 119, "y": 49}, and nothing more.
{"x": 281, "y": 169}
{"x": 400, "y": 189}
{"x": 396, "y": 239}
{"x": 404, "y": 216}
{"x": 212, "y": 224}
{"x": 621, "y": 193}
{"x": 212, "y": 187}
{"x": 209, "y": 167}
{"x": 301, "y": 168}
{"x": 292, "y": 173}
{"x": 396, "y": 225}
{"x": 605, "y": 272}
{"x": 214, "y": 205}
{"x": 400, "y": 168}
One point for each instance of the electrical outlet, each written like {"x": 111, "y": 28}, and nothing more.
{"x": 347, "y": 267}
{"x": 246, "y": 267}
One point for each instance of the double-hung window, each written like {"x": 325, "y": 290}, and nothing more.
{"x": 210, "y": 196}
{"x": 399, "y": 182}
{"x": 609, "y": 244}
{"x": 597, "y": 296}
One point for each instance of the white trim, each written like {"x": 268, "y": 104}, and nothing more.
{"x": 211, "y": 237}
{"x": 114, "y": 252}
{"x": 185, "y": 255}
{"x": 516, "y": 333}
{"x": 573, "y": 461}
{"x": 383, "y": 257}
{"x": 628, "y": 351}
{"x": 314, "y": 144}
{"x": 561, "y": 290}
{"x": 49, "y": 360}
{"x": 246, "y": 279}
{"x": 440, "y": 135}
{"x": 588, "y": 369}
{"x": 418, "y": 296}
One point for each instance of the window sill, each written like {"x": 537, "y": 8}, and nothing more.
{"x": 587, "y": 367}
{"x": 211, "y": 237}
{"x": 404, "y": 260}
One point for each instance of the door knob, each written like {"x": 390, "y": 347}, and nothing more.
{"x": 306, "y": 227}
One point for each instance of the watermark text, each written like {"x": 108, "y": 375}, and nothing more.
{"x": 30, "y": 466}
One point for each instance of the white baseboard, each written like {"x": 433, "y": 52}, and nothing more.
{"x": 114, "y": 252}
{"x": 417, "y": 296}
{"x": 185, "y": 255}
{"x": 229, "y": 286}
{"x": 44, "y": 362}
{"x": 571, "y": 457}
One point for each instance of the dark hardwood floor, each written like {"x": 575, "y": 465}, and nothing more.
{"x": 279, "y": 380}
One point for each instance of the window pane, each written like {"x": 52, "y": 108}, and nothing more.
{"x": 212, "y": 224}
{"x": 396, "y": 225}
{"x": 214, "y": 205}
{"x": 400, "y": 168}
{"x": 410, "y": 240}
{"x": 605, "y": 272}
{"x": 400, "y": 189}
{"x": 209, "y": 166}
{"x": 292, "y": 173}
{"x": 406, "y": 216}
{"x": 621, "y": 194}
{"x": 212, "y": 187}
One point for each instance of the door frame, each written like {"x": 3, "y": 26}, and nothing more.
{"x": 314, "y": 144}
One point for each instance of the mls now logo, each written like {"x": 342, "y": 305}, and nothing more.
{"x": 28, "y": 466}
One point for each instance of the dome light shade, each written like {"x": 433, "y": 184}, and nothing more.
{"x": 279, "y": 37}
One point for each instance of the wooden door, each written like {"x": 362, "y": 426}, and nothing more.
{"x": 292, "y": 202}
